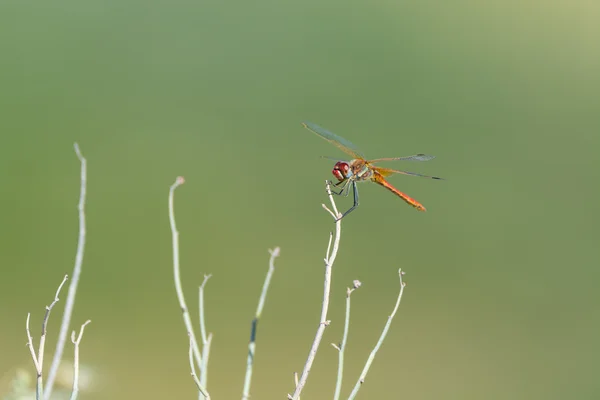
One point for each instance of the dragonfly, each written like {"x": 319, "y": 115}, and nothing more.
{"x": 359, "y": 169}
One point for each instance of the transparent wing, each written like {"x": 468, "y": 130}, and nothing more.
{"x": 339, "y": 142}
{"x": 416, "y": 157}
{"x": 332, "y": 158}
{"x": 388, "y": 172}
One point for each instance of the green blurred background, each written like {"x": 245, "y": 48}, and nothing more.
{"x": 502, "y": 270}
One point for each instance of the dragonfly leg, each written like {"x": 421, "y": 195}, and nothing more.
{"x": 339, "y": 192}
{"x": 355, "y": 193}
{"x": 346, "y": 190}
{"x": 342, "y": 190}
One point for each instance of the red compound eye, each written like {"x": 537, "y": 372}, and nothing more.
{"x": 338, "y": 175}
{"x": 341, "y": 170}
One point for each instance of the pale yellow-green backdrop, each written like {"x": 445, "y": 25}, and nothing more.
{"x": 502, "y": 271}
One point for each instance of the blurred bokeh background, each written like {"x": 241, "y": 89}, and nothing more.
{"x": 502, "y": 270}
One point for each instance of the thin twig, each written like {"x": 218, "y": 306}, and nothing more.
{"x": 261, "y": 303}
{"x": 76, "y": 342}
{"x": 329, "y": 246}
{"x": 192, "y": 364}
{"x": 329, "y": 260}
{"x": 201, "y": 309}
{"x": 45, "y": 321}
{"x": 38, "y": 361}
{"x": 365, "y": 370}
{"x": 38, "y": 367}
{"x": 70, "y": 302}
{"x": 205, "y": 357}
{"x": 178, "y": 289}
{"x": 296, "y": 381}
{"x": 328, "y": 210}
{"x": 342, "y": 345}
{"x": 205, "y": 339}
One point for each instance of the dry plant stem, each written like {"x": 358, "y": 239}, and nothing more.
{"x": 179, "y": 290}
{"x": 205, "y": 357}
{"x": 39, "y": 388}
{"x": 365, "y": 370}
{"x": 76, "y": 342}
{"x": 329, "y": 260}
{"x": 70, "y": 302}
{"x": 192, "y": 364}
{"x": 201, "y": 309}
{"x": 342, "y": 346}
{"x": 296, "y": 381}
{"x": 205, "y": 338}
{"x": 38, "y": 360}
{"x": 261, "y": 303}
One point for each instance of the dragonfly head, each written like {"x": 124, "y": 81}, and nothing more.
{"x": 342, "y": 170}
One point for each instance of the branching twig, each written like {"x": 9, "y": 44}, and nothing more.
{"x": 39, "y": 389}
{"x": 38, "y": 360}
{"x": 70, "y": 302}
{"x": 192, "y": 364}
{"x": 342, "y": 345}
{"x": 76, "y": 342}
{"x": 329, "y": 260}
{"x": 365, "y": 370}
{"x": 201, "y": 309}
{"x": 34, "y": 357}
{"x": 177, "y": 277}
{"x": 296, "y": 381}
{"x": 205, "y": 357}
{"x": 252, "y": 344}
{"x": 206, "y": 339}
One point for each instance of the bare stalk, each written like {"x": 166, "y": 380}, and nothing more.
{"x": 192, "y": 364}
{"x": 70, "y": 302}
{"x": 205, "y": 357}
{"x": 365, "y": 370}
{"x": 296, "y": 381}
{"x": 206, "y": 339}
{"x": 38, "y": 360}
{"x": 179, "y": 290}
{"x": 252, "y": 344}
{"x": 201, "y": 309}
{"x": 329, "y": 260}
{"x": 76, "y": 342}
{"x": 39, "y": 389}
{"x": 342, "y": 346}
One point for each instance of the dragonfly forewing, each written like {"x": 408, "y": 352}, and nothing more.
{"x": 338, "y": 141}
{"x": 416, "y": 157}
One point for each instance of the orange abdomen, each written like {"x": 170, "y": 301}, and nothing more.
{"x": 377, "y": 178}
